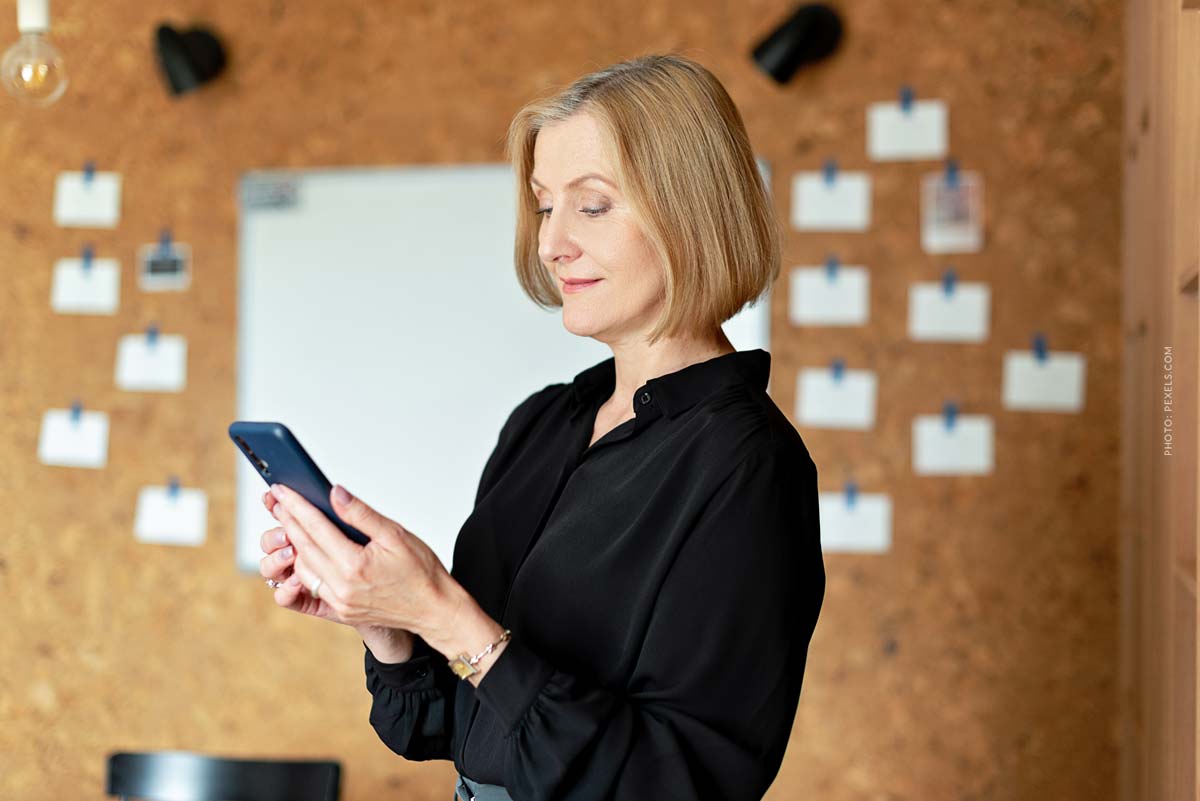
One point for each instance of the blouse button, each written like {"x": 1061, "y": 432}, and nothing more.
{"x": 421, "y": 672}
{"x": 645, "y": 398}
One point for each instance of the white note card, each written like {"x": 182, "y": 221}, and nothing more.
{"x": 146, "y": 366}
{"x": 967, "y": 447}
{"x": 818, "y": 298}
{"x": 80, "y": 203}
{"x": 823, "y": 401}
{"x": 841, "y": 205}
{"x": 959, "y": 316}
{"x": 896, "y": 134}
{"x": 67, "y": 442}
{"x": 1055, "y": 385}
{"x": 166, "y": 519}
{"x": 863, "y": 527}
{"x": 952, "y": 216}
{"x": 92, "y": 290}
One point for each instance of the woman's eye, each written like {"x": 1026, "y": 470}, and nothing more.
{"x": 590, "y": 212}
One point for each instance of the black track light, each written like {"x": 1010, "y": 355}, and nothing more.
{"x": 809, "y": 35}
{"x": 188, "y": 58}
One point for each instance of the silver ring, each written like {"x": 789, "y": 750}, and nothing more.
{"x": 316, "y": 587}
{"x": 273, "y": 584}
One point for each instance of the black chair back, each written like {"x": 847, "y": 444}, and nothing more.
{"x": 184, "y": 776}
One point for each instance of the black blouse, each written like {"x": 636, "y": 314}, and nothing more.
{"x": 661, "y": 586}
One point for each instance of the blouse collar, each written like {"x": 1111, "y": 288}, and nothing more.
{"x": 675, "y": 392}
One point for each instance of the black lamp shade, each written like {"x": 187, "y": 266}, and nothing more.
{"x": 809, "y": 35}
{"x": 188, "y": 58}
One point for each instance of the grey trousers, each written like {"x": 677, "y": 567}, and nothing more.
{"x": 468, "y": 790}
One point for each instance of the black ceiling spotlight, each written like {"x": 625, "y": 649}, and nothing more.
{"x": 188, "y": 58}
{"x": 809, "y": 35}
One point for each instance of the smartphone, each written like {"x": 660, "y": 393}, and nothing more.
{"x": 279, "y": 458}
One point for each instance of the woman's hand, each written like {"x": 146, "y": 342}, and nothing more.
{"x": 387, "y": 644}
{"x": 277, "y": 566}
{"x": 394, "y": 582}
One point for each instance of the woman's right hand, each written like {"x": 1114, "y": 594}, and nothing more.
{"x": 387, "y": 644}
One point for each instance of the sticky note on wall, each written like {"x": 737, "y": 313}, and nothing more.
{"x": 1055, "y": 384}
{"x": 151, "y": 363}
{"x": 961, "y": 315}
{"x": 895, "y": 133}
{"x": 87, "y": 201}
{"x": 824, "y": 400}
{"x": 171, "y": 516}
{"x": 824, "y": 296}
{"x": 93, "y": 287}
{"x": 965, "y": 447}
{"x": 838, "y": 203}
{"x": 73, "y": 438}
{"x": 864, "y": 526}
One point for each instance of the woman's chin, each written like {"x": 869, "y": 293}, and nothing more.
{"x": 581, "y": 325}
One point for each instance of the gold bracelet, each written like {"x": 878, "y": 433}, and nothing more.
{"x": 464, "y": 665}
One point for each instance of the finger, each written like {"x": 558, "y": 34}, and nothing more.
{"x": 273, "y": 539}
{"x": 317, "y": 562}
{"x": 303, "y": 578}
{"x": 328, "y": 537}
{"x": 288, "y": 594}
{"x": 359, "y": 514}
{"x": 273, "y": 565}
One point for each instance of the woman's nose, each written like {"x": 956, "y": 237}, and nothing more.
{"x": 555, "y": 242}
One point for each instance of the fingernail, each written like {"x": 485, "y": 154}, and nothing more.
{"x": 280, "y": 538}
{"x": 293, "y": 580}
{"x": 277, "y": 491}
{"x": 287, "y": 552}
{"x": 341, "y": 496}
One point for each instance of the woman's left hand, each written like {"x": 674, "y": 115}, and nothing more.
{"x": 395, "y": 580}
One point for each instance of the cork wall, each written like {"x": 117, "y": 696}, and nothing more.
{"x": 975, "y": 660}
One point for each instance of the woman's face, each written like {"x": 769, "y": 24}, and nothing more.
{"x": 588, "y": 231}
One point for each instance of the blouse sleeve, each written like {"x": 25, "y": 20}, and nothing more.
{"x": 412, "y": 703}
{"x": 709, "y": 708}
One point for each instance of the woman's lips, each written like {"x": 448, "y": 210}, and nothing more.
{"x": 572, "y": 287}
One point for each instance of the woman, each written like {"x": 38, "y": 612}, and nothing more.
{"x": 631, "y": 600}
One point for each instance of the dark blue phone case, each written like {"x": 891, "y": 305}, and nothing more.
{"x": 278, "y": 457}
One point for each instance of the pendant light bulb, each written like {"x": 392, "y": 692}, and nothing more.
{"x": 32, "y": 69}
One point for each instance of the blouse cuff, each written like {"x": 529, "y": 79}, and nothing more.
{"x": 415, "y": 674}
{"x": 513, "y": 682}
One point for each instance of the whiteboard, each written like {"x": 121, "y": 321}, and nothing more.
{"x": 380, "y": 319}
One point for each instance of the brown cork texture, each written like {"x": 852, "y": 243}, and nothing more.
{"x": 975, "y": 661}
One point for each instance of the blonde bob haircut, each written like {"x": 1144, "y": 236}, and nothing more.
{"x": 684, "y": 163}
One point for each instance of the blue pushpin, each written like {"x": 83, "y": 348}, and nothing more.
{"x": 173, "y": 488}
{"x": 831, "y": 267}
{"x": 950, "y": 412}
{"x": 839, "y": 369}
{"x": 951, "y": 173}
{"x": 906, "y": 99}
{"x": 948, "y": 280}
{"x": 88, "y": 255}
{"x": 830, "y": 171}
{"x": 76, "y": 412}
{"x": 89, "y": 172}
{"x": 164, "y": 242}
{"x": 152, "y": 334}
{"x": 851, "y": 493}
{"x": 1039, "y": 347}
